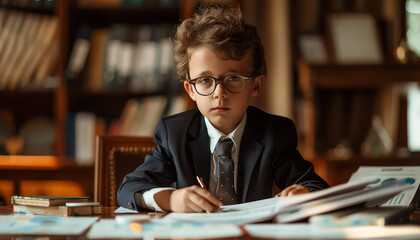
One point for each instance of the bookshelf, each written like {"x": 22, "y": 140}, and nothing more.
{"x": 60, "y": 97}
{"x": 363, "y": 83}
{"x": 57, "y": 97}
{"x": 336, "y": 98}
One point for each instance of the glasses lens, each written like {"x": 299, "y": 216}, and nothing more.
{"x": 204, "y": 85}
{"x": 234, "y": 83}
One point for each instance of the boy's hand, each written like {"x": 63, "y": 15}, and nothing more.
{"x": 189, "y": 199}
{"x": 294, "y": 189}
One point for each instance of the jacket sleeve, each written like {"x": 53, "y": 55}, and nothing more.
{"x": 291, "y": 168}
{"x": 157, "y": 171}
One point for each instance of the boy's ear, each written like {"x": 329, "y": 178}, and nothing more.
{"x": 190, "y": 90}
{"x": 258, "y": 84}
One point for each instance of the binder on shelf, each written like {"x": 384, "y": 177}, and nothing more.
{"x": 97, "y": 60}
{"x": 146, "y": 120}
{"x": 84, "y": 136}
{"x": 114, "y": 47}
{"x": 128, "y": 116}
{"x": 78, "y": 57}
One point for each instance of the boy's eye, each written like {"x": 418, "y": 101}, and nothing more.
{"x": 204, "y": 80}
{"x": 233, "y": 78}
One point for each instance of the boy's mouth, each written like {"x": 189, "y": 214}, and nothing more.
{"x": 220, "y": 108}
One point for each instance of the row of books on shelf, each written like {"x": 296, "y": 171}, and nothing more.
{"x": 88, "y": 3}
{"x": 133, "y": 58}
{"x": 125, "y": 3}
{"x": 139, "y": 118}
{"x": 28, "y": 3}
{"x": 28, "y": 49}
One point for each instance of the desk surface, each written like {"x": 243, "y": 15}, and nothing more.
{"x": 108, "y": 212}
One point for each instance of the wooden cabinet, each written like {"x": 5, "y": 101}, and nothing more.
{"x": 339, "y": 102}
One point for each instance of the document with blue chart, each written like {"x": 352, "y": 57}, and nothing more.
{"x": 410, "y": 175}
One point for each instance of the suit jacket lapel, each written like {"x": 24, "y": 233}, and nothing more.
{"x": 250, "y": 151}
{"x": 200, "y": 150}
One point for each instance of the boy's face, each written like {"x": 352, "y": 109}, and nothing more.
{"x": 222, "y": 108}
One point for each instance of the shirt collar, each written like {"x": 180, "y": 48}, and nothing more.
{"x": 235, "y": 135}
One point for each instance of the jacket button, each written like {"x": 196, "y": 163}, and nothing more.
{"x": 130, "y": 205}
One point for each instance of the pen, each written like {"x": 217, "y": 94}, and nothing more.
{"x": 200, "y": 181}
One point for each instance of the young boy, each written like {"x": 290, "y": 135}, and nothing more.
{"x": 220, "y": 60}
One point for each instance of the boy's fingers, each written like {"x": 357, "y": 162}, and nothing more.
{"x": 207, "y": 195}
{"x": 192, "y": 207}
{"x": 299, "y": 191}
{"x": 210, "y": 203}
{"x": 293, "y": 190}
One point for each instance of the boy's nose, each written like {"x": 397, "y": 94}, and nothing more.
{"x": 220, "y": 91}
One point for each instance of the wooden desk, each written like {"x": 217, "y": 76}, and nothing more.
{"x": 19, "y": 168}
{"x": 108, "y": 212}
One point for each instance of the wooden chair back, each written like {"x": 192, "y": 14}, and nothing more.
{"x": 115, "y": 157}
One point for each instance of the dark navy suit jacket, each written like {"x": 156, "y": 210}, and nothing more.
{"x": 267, "y": 153}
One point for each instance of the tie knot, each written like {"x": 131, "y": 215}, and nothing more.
{"x": 224, "y": 147}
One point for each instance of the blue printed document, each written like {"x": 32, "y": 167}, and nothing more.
{"x": 44, "y": 225}
{"x": 109, "y": 228}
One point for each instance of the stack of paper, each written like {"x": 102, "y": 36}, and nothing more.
{"x": 290, "y": 209}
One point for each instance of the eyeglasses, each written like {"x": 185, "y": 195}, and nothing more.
{"x": 234, "y": 83}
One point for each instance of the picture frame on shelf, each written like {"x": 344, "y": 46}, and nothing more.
{"x": 354, "y": 38}
{"x": 312, "y": 48}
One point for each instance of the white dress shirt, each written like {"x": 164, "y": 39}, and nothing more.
{"x": 214, "y": 137}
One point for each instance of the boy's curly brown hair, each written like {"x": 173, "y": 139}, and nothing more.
{"x": 222, "y": 29}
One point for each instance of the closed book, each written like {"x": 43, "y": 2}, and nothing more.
{"x": 46, "y": 200}
{"x": 64, "y": 211}
{"x": 97, "y": 59}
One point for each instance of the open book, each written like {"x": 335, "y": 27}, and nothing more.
{"x": 294, "y": 208}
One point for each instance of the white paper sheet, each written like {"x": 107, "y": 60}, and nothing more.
{"x": 124, "y": 210}
{"x": 108, "y": 228}
{"x": 371, "y": 197}
{"x": 306, "y": 231}
{"x": 250, "y": 205}
{"x": 44, "y": 225}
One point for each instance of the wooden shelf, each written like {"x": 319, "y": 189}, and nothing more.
{"x": 337, "y": 76}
